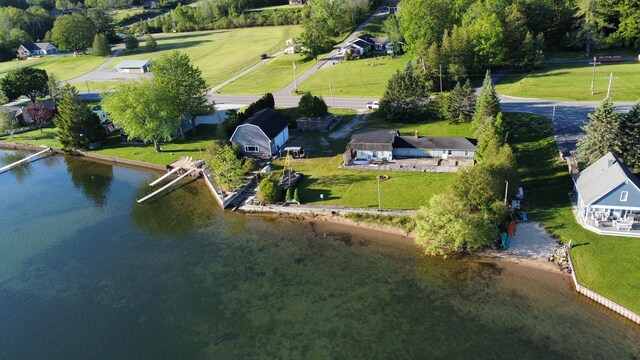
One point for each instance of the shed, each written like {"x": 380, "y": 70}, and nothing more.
{"x": 263, "y": 134}
{"x": 372, "y": 145}
{"x": 134, "y": 66}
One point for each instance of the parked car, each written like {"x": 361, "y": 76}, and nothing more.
{"x": 371, "y": 105}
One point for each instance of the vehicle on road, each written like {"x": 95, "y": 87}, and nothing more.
{"x": 373, "y": 105}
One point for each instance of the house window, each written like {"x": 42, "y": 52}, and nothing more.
{"x": 624, "y": 195}
{"x": 250, "y": 148}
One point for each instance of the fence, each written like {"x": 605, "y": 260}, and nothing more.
{"x": 612, "y": 305}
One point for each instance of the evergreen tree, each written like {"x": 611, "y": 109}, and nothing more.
{"x": 150, "y": 42}
{"x": 47, "y": 36}
{"x": 78, "y": 126}
{"x": 101, "y": 45}
{"x": 405, "y": 98}
{"x": 488, "y": 104}
{"x": 311, "y": 106}
{"x": 630, "y": 131}
{"x": 602, "y": 134}
{"x": 130, "y": 42}
{"x": 461, "y": 103}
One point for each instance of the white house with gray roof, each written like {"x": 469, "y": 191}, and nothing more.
{"x": 608, "y": 197}
{"x": 134, "y": 66}
{"x": 263, "y": 134}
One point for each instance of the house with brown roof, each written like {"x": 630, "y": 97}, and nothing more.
{"x": 36, "y": 49}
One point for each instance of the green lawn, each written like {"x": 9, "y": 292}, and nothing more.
{"x": 365, "y": 77}
{"x": 358, "y": 188}
{"x": 190, "y": 146}
{"x": 606, "y": 264}
{"x": 66, "y": 67}
{"x": 121, "y": 14}
{"x": 374, "y": 27}
{"x": 573, "y": 82}
{"x": 220, "y": 54}
{"x": 430, "y": 128}
{"x": 270, "y": 77}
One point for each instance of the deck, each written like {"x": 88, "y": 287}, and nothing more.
{"x": 610, "y": 227}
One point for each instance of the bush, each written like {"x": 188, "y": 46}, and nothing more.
{"x": 250, "y": 164}
{"x": 288, "y": 197}
{"x": 295, "y": 195}
{"x": 269, "y": 191}
{"x": 131, "y": 42}
{"x": 311, "y": 106}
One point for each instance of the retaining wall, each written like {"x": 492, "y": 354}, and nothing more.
{"x": 612, "y": 305}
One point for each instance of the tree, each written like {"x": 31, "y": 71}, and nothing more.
{"x": 78, "y": 126}
{"x": 73, "y": 31}
{"x": 627, "y": 14}
{"x": 145, "y": 110}
{"x": 602, "y": 134}
{"x": 630, "y": 138}
{"x": 53, "y": 86}
{"x": 391, "y": 26}
{"x": 488, "y": 104}
{"x": 40, "y": 114}
{"x": 48, "y": 36}
{"x": 315, "y": 39}
{"x": 175, "y": 72}
{"x": 27, "y": 81}
{"x": 104, "y": 23}
{"x": 101, "y": 45}
{"x": 130, "y": 42}
{"x": 6, "y": 120}
{"x": 486, "y": 34}
{"x": 150, "y": 42}
{"x": 426, "y": 20}
{"x": 311, "y": 106}
{"x": 461, "y": 103}
{"x": 225, "y": 165}
{"x": 589, "y": 26}
{"x": 446, "y": 225}
{"x": 405, "y": 98}
{"x": 269, "y": 191}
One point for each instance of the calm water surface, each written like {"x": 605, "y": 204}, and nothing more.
{"x": 87, "y": 273}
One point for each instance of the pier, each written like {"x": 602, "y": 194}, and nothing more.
{"x": 28, "y": 159}
{"x": 183, "y": 167}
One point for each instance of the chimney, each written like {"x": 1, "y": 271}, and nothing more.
{"x": 417, "y": 136}
{"x": 611, "y": 162}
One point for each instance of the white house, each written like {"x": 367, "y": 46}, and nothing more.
{"x": 36, "y": 49}
{"x": 134, "y": 66}
{"x": 263, "y": 134}
{"x": 608, "y": 197}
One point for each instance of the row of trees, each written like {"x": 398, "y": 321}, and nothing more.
{"x": 469, "y": 214}
{"x": 19, "y": 26}
{"x": 153, "y": 109}
{"x": 609, "y": 131}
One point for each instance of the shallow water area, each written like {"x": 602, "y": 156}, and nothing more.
{"x": 87, "y": 273}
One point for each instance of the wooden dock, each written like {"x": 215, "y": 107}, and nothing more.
{"x": 183, "y": 167}
{"x": 25, "y": 160}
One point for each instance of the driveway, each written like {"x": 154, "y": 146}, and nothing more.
{"x": 106, "y": 73}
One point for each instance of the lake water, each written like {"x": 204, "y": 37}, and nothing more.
{"x": 87, "y": 273}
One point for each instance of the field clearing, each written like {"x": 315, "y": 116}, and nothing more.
{"x": 605, "y": 264}
{"x": 573, "y": 82}
{"x": 121, "y": 14}
{"x": 66, "y": 67}
{"x": 365, "y": 77}
{"x": 220, "y": 54}
{"x": 270, "y": 77}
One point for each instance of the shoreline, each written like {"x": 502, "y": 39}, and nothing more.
{"x": 537, "y": 263}
{"x": 307, "y": 214}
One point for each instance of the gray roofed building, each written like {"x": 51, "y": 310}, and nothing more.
{"x": 373, "y": 139}
{"x": 134, "y": 66}
{"x": 34, "y": 49}
{"x": 263, "y": 134}
{"x": 608, "y": 194}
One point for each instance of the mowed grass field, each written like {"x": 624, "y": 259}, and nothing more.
{"x": 365, "y": 77}
{"x": 573, "y": 82}
{"x": 66, "y": 67}
{"x": 270, "y": 77}
{"x": 606, "y": 264}
{"x": 220, "y": 54}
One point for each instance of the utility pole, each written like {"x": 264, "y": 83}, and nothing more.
{"x": 379, "y": 200}
{"x": 610, "y": 81}
{"x": 593, "y": 75}
{"x": 87, "y": 81}
{"x": 440, "y": 66}
{"x": 333, "y": 105}
{"x": 553, "y": 117}
{"x": 295, "y": 82}
{"x": 506, "y": 188}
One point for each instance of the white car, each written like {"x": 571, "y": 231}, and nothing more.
{"x": 371, "y": 105}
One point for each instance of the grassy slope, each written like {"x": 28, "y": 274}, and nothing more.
{"x": 190, "y": 146}
{"x": 606, "y": 264}
{"x": 66, "y": 67}
{"x": 270, "y": 77}
{"x": 365, "y": 77}
{"x": 220, "y": 54}
{"x": 573, "y": 82}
